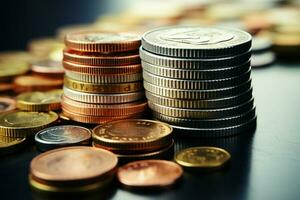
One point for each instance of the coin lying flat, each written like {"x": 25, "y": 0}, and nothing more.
{"x": 102, "y": 42}
{"x": 77, "y": 166}
{"x": 48, "y": 67}
{"x": 10, "y": 68}
{"x": 40, "y": 101}
{"x": 22, "y": 124}
{"x": 10, "y": 144}
{"x": 133, "y": 134}
{"x": 196, "y": 42}
{"x": 149, "y": 173}
{"x": 202, "y": 157}
{"x": 103, "y": 98}
{"x": 7, "y": 104}
{"x": 193, "y": 63}
{"x": 59, "y": 136}
{"x": 262, "y": 59}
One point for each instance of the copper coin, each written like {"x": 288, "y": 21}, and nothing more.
{"x": 36, "y": 83}
{"x": 98, "y": 70}
{"x": 72, "y": 165}
{"x": 104, "y": 42}
{"x": 104, "y": 109}
{"x": 48, "y": 67}
{"x": 7, "y": 104}
{"x": 149, "y": 173}
{"x": 96, "y": 119}
{"x": 6, "y": 87}
{"x": 100, "y": 59}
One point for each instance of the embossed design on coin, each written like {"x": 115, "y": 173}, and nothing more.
{"x": 199, "y": 37}
{"x": 202, "y": 157}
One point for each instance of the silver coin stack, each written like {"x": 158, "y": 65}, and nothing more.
{"x": 198, "y": 79}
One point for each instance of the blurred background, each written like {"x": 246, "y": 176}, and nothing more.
{"x": 22, "y": 22}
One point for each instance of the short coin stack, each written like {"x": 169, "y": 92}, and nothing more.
{"x": 103, "y": 79}
{"x": 198, "y": 79}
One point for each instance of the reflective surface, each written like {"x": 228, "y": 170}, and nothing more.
{"x": 263, "y": 166}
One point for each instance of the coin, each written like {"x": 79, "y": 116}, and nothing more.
{"x": 104, "y": 110}
{"x": 22, "y": 56}
{"x": 7, "y": 104}
{"x": 73, "y": 166}
{"x": 222, "y": 73}
{"x": 102, "y": 88}
{"x": 202, "y": 113}
{"x": 41, "y": 47}
{"x": 260, "y": 44}
{"x": 48, "y": 68}
{"x": 149, "y": 173}
{"x": 104, "y": 78}
{"x": 133, "y": 134}
{"x": 103, "y": 98}
{"x": 262, "y": 59}
{"x": 202, "y": 157}
{"x": 194, "y": 63}
{"x": 10, "y": 68}
{"x": 243, "y": 128}
{"x": 185, "y": 84}
{"x": 100, "y": 59}
{"x": 97, "y": 119}
{"x": 102, "y": 42}
{"x": 196, "y": 94}
{"x": 40, "y": 101}
{"x": 22, "y": 124}
{"x": 36, "y": 83}
{"x": 104, "y": 70}
{"x": 198, "y": 103}
{"x": 207, "y": 123}
{"x": 196, "y": 42}
{"x": 59, "y": 136}
{"x": 10, "y": 144}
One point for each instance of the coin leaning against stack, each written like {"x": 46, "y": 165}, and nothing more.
{"x": 103, "y": 79}
{"x": 198, "y": 79}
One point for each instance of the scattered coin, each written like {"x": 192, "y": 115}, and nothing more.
{"x": 7, "y": 104}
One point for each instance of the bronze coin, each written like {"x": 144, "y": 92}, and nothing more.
{"x": 7, "y": 104}
{"x": 72, "y": 165}
{"x": 149, "y": 173}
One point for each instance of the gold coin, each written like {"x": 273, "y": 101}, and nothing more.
{"x": 10, "y": 68}
{"x": 40, "y": 101}
{"x": 43, "y": 47}
{"x": 10, "y": 144}
{"x": 133, "y": 134}
{"x": 202, "y": 157}
{"x": 19, "y": 56}
{"x": 102, "y": 88}
{"x": 23, "y": 124}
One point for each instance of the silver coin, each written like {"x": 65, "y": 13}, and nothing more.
{"x": 262, "y": 59}
{"x": 194, "y": 63}
{"x": 197, "y": 94}
{"x": 209, "y": 103}
{"x": 206, "y": 123}
{"x": 221, "y": 73}
{"x": 196, "y": 84}
{"x": 103, "y": 98}
{"x": 216, "y": 132}
{"x": 260, "y": 44}
{"x": 196, "y": 42}
{"x": 202, "y": 113}
{"x": 60, "y": 136}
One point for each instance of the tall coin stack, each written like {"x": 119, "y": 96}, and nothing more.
{"x": 198, "y": 79}
{"x": 103, "y": 79}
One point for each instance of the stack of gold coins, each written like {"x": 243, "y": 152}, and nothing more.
{"x": 198, "y": 79}
{"x": 103, "y": 79}
{"x": 132, "y": 139}
{"x": 72, "y": 170}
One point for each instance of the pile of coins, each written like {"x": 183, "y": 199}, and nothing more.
{"x": 198, "y": 79}
{"x": 133, "y": 139}
{"x": 103, "y": 79}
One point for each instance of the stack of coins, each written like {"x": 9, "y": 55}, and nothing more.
{"x": 103, "y": 79}
{"x": 72, "y": 170}
{"x": 262, "y": 54}
{"x": 133, "y": 139}
{"x": 198, "y": 79}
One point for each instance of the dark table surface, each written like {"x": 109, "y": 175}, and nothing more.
{"x": 265, "y": 165}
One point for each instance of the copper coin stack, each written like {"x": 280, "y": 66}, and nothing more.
{"x": 103, "y": 80}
